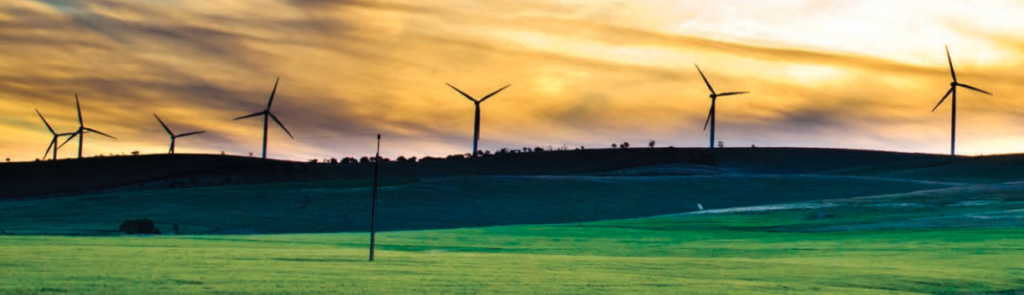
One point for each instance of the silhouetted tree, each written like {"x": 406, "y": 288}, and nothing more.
{"x": 624, "y": 145}
{"x": 651, "y": 144}
{"x": 334, "y": 160}
{"x": 313, "y": 161}
{"x": 364, "y": 159}
{"x": 412, "y": 159}
{"x": 401, "y": 159}
{"x": 615, "y": 145}
{"x": 135, "y": 153}
{"x": 538, "y": 149}
{"x": 8, "y": 160}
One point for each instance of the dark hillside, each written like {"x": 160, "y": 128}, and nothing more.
{"x": 980, "y": 169}
{"x": 68, "y": 177}
{"x": 443, "y": 202}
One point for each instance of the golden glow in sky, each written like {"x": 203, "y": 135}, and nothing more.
{"x": 841, "y": 74}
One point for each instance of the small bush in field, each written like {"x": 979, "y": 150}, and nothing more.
{"x": 139, "y": 226}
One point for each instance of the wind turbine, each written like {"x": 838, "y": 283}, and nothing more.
{"x": 82, "y": 130}
{"x": 53, "y": 143}
{"x": 267, "y": 115}
{"x": 714, "y": 96}
{"x": 952, "y": 90}
{"x": 173, "y": 136}
{"x": 476, "y": 120}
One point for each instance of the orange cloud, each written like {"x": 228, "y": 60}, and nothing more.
{"x": 582, "y": 74}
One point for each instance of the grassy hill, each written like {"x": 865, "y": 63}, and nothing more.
{"x": 980, "y": 169}
{"x": 448, "y": 202}
{"x": 778, "y": 221}
{"x": 434, "y": 195}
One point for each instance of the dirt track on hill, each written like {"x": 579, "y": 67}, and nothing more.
{"x": 957, "y": 207}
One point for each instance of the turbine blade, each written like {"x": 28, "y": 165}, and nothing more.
{"x": 165, "y": 125}
{"x": 943, "y": 98}
{"x": 70, "y": 138}
{"x": 705, "y": 78}
{"x": 279, "y": 124}
{"x": 251, "y": 115}
{"x": 712, "y": 110}
{"x": 79, "y": 105}
{"x": 98, "y": 132}
{"x": 493, "y": 93}
{"x": 53, "y": 143}
{"x": 190, "y": 133}
{"x": 950, "y": 59}
{"x": 272, "y": 92}
{"x": 733, "y": 93}
{"x": 973, "y": 88}
{"x": 463, "y": 93}
{"x": 44, "y": 122}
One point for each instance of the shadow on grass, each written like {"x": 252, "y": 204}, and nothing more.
{"x": 186, "y": 282}
{"x": 312, "y": 259}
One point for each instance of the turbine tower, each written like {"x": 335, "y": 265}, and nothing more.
{"x": 173, "y": 136}
{"x": 952, "y": 90}
{"x": 267, "y": 115}
{"x": 476, "y": 120}
{"x": 53, "y": 142}
{"x": 714, "y": 97}
{"x": 82, "y": 130}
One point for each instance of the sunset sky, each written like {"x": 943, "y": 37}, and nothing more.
{"x": 846, "y": 74}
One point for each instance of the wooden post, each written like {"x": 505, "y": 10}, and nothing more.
{"x": 373, "y": 210}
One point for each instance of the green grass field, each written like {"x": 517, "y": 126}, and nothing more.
{"x": 693, "y": 254}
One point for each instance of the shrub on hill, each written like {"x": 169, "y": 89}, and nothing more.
{"x": 139, "y": 226}
{"x": 431, "y": 159}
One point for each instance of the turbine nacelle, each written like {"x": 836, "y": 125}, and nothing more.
{"x": 267, "y": 116}
{"x": 82, "y": 130}
{"x": 476, "y": 120}
{"x": 714, "y": 96}
{"x": 952, "y": 92}
{"x": 174, "y": 136}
